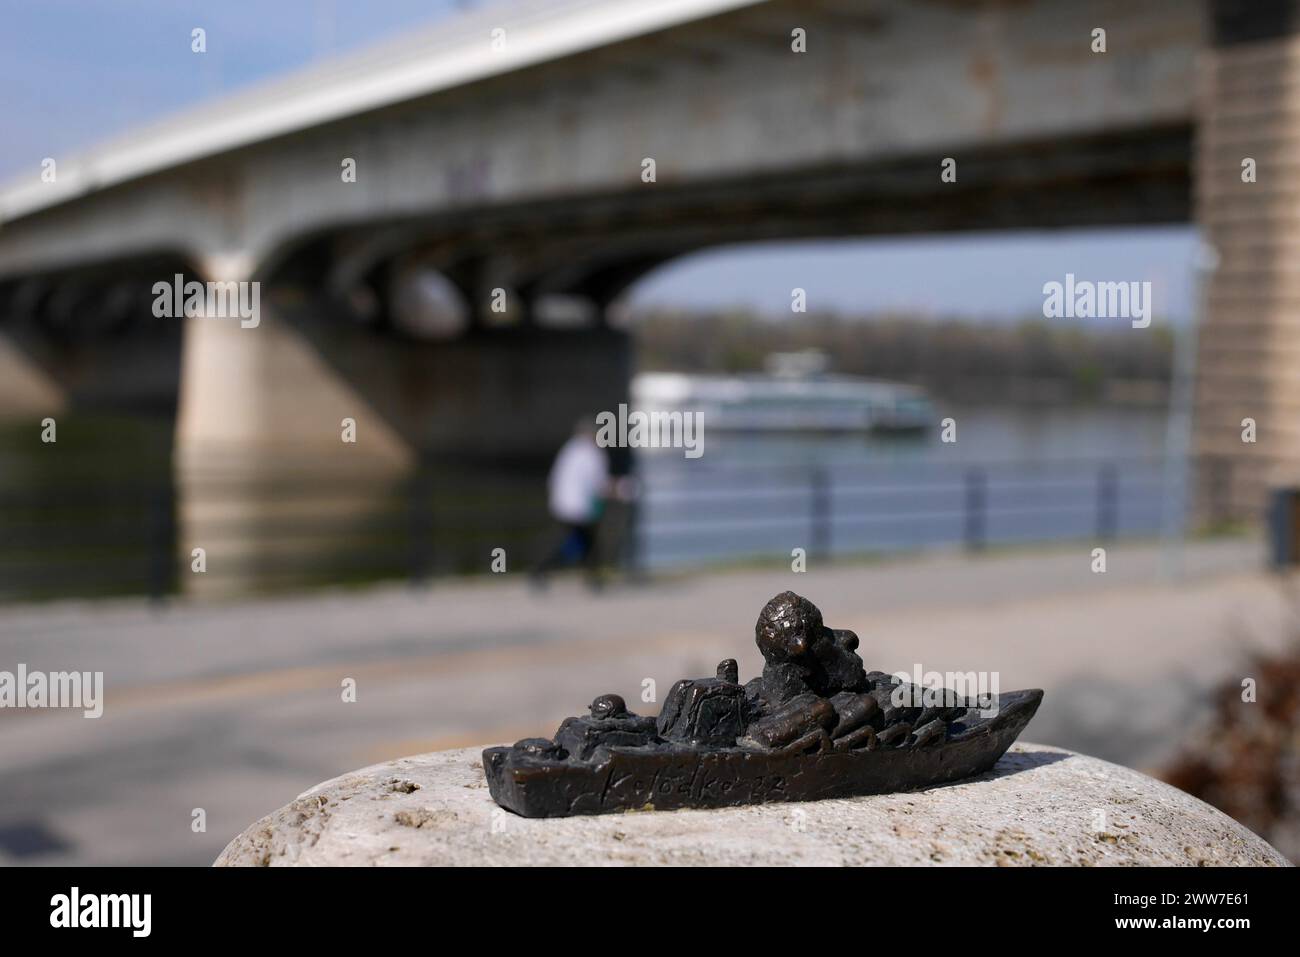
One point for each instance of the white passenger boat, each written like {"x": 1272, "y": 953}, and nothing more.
{"x": 796, "y": 395}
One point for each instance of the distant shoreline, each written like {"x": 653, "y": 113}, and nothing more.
{"x": 1035, "y": 361}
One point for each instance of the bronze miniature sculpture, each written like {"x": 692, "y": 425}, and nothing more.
{"x": 815, "y": 725}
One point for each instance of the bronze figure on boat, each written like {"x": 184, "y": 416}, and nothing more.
{"x": 814, "y": 725}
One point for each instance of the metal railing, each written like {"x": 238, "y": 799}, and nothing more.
{"x": 847, "y": 509}
{"x": 86, "y": 537}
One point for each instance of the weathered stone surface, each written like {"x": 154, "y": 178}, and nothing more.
{"x": 1039, "y": 805}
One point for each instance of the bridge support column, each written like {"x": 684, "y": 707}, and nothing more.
{"x": 1248, "y": 158}
{"x": 264, "y": 477}
{"x": 26, "y": 391}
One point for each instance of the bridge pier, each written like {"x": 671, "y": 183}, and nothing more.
{"x": 260, "y": 439}
{"x": 256, "y": 391}
{"x": 26, "y": 391}
{"x": 1247, "y": 156}
{"x": 267, "y": 482}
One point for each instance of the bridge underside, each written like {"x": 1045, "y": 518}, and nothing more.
{"x": 597, "y": 245}
{"x": 90, "y": 336}
{"x": 593, "y": 249}
{"x": 465, "y": 389}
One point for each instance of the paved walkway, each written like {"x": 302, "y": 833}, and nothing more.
{"x": 237, "y": 708}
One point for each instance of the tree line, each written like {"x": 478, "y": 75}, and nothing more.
{"x": 953, "y": 358}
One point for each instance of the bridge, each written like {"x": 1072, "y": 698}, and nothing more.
{"x": 441, "y": 226}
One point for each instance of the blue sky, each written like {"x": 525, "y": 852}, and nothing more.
{"x": 987, "y": 276}
{"x": 73, "y": 72}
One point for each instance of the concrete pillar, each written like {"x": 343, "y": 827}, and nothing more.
{"x": 260, "y": 392}
{"x": 266, "y": 486}
{"x": 1249, "y": 344}
{"x": 26, "y": 391}
{"x": 263, "y": 475}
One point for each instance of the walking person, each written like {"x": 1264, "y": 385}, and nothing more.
{"x": 578, "y": 486}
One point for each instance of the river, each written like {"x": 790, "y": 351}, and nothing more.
{"x": 1013, "y": 474}
{"x": 99, "y": 512}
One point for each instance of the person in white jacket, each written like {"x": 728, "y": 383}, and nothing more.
{"x": 578, "y": 486}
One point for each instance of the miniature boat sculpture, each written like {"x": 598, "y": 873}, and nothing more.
{"x": 815, "y": 725}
